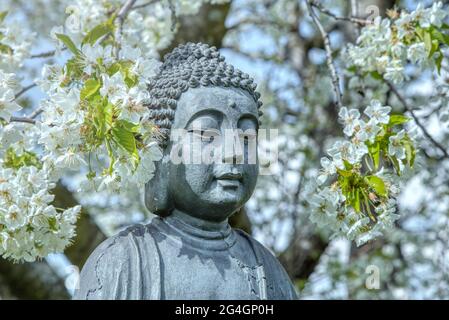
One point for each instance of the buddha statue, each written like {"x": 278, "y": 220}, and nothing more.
{"x": 188, "y": 250}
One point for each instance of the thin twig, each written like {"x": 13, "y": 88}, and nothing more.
{"x": 140, "y": 6}
{"x": 22, "y": 119}
{"x": 329, "y": 59}
{"x": 252, "y": 21}
{"x": 25, "y": 89}
{"x": 327, "y": 12}
{"x": 29, "y": 119}
{"x": 264, "y": 57}
{"x": 415, "y": 117}
{"x": 174, "y": 18}
{"x": 43, "y": 54}
{"x": 121, "y": 17}
{"x": 355, "y": 14}
{"x": 36, "y": 112}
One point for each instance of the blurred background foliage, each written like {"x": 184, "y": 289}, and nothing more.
{"x": 277, "y": 43}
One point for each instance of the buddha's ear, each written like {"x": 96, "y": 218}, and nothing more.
{"x": 157, "y": 197}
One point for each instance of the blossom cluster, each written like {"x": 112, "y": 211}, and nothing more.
{"x": 151, "y": 28}
{"x": 355, "y": 192}
{"x": 8, "y": 85}
{"x": 30, "y": 226}
{"x": 15, "y": 44}
{"x": 94, "y": 115}
{"x": 385, "y": 47}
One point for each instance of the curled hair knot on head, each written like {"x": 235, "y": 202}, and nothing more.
{"x": 188, "y": 66}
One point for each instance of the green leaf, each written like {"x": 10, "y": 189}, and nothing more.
{"x": 428, "y": 43}
{"x": 397, "y": 119}
{"x": 419, "y": 32}
{"x": 438, "y": 62}
{"x": 376, "y": 75}
{"x": 374, "y": 151}
{"x": 91, "y": 87}
{"x": 68, "y": 43}
{"x": 344, "y": 173}
{"x": 108, "y": 112}
{"x": 410, "y": 153}
{"x": 52, "y": 224}
{"x": 3, "y": 15}
{"x": 344, "y": 183}
{"x": 6, "y": 49}
{"x": 441, "y": 37}
{"x": 356, "y": 200}
{"x": 378, "y": 185}
{"x": 435, "y": 47}
{"x": 102, "y": 111}
{"x": 26, "y": 159}
{"x": 129, "y": 126}
{"x": 125, "y": 139}
{"x": 113, "y": 69}
{"x": 130, "y": 79}
{"x": 396, "y": 165}
{"x": 97, "y": 32}
{"x": 352, "y": 68}
{"x": 348, "y": 166}
{"x": 73, "y": 69}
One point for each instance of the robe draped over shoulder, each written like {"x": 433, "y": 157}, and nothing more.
{"x": 123, "y": 267}
{"x": 127, "y": 267}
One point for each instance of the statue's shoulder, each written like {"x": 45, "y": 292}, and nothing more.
{"x": 118, "y": 245}
{"x": 278, "y": 280}
{"x": 260, "y": 250}
{"x": 114, "y": 270}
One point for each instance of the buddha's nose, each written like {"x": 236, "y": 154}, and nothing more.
{"x": 233, "y": 152}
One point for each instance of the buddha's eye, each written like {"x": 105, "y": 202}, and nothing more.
{"x": 196, "y": 133}
{"x": 207, "y": 135}
{"x": 204, "y": 128}
{"x": 248, "y": 129}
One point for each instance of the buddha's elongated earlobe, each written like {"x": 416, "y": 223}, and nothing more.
{"x": 157, "y": 197}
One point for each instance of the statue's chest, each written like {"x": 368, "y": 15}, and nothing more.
{"x": 191, "y": 274}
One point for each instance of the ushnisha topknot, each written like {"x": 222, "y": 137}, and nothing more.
{"x": 191, "y": 65}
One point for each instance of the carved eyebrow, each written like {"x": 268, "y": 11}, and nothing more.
{"x": 214, "y": 115}
{"x": 251, "y": 117}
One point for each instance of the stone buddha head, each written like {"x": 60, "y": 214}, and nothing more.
{"x": 198, "y": 94}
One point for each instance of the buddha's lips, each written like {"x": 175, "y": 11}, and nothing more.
{"x": 230, "y": 176}
{"x": 229, "y": 180}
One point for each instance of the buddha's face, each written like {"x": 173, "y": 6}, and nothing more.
{"x": 213, "y": 190}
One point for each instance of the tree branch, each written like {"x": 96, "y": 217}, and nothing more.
{"x": 329, "y": 59}
{"x": 36, "y": 112}
{"x": 121, "y": 16}
{"x": 415, "y": 117}
{"x": 23, "y": 119}
{"x": 25, "y": 89}
{"x": 30, "y": 118}
{"x": 327, "y": 12}
{"x": 43, "y": 54}
{"x": 143, "y": 5}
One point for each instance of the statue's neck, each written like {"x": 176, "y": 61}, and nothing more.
{"x": 200, "y": 233}
{"x": 209, "y": 226}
